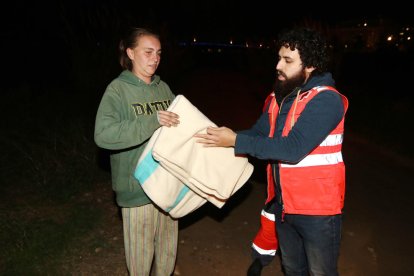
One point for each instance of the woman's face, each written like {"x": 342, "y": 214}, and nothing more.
{"x": 145, "y": 57}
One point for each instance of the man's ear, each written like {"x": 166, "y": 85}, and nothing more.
{"x": 308, "y": 71}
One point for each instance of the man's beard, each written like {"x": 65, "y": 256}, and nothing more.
{"x": 283, "y": 88}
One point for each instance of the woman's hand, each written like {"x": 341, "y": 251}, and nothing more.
{"x": 167, "y": 118}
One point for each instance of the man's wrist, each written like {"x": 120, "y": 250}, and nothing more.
{"x": 234, "y": 140}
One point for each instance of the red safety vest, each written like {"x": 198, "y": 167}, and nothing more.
{"x": 315, "y": 185}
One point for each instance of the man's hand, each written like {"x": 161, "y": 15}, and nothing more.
{"x": 167, "y": 118}
{"x": 217, "y": 137}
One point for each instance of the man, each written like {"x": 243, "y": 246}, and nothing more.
{"x": 301, "y": 137}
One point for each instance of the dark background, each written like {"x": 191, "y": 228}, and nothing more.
{"x": 42, "y": 39}
{"x": 58, "y": 57}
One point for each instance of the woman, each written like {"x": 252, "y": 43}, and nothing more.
{"x": 133, "y": 106}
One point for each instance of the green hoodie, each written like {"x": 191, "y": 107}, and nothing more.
{"x": 126, "y": 119}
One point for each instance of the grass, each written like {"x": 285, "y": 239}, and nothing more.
{"x": 48, "y": 163}
{"x": 34, "y": 246}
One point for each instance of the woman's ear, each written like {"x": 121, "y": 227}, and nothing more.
{"x": 130, "y": 53}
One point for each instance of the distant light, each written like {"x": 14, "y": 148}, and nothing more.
{"x": 389, "y": 38}
{"x": 247, "y": 45}
{"x": 231, "y": 42}
{"x": 365, "y": 24}
{"x": 194, "y": 39}
{"x": 408, "y": 37}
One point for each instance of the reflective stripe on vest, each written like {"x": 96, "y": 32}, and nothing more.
{"x": 322, "y": 158}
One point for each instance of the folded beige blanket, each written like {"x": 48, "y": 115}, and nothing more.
{"x": 190, "y": 173}
{"x": 163, "y": 188}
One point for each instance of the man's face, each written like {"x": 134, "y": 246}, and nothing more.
{"x": 290, "y": 71}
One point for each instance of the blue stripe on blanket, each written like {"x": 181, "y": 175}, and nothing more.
{"x": 180, "y": 196}
{"x": 147, "y": 167}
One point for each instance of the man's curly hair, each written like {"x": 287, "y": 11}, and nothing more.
{"x": 311, "y": 45}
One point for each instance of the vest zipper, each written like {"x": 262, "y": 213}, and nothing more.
{"x": 297, "y": 91}
{"x": 277, "y": 183}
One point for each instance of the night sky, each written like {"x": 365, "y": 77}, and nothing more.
{"x": 38, "y": 34}
{"x": 211, "y": 19}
